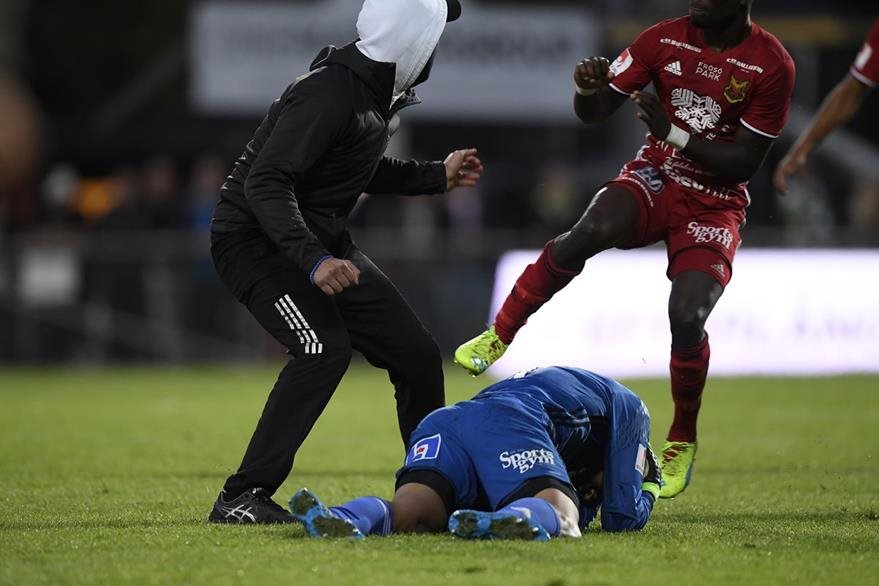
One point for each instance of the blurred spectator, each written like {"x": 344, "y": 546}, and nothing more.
{"x": 161, "y": 194}
{"x": 20, "y": 150}
{"x": 114, "y": 204}
{"x": 464, "y": 210}
{"x": 864, "y": 211}
{"x": 206, "y": 177}
{"x": 419, "y": 225}
{"x": 119, "y": 286}
{"x": 806, "y": 211}
{"x": 97, "y": 198}
{"x": 60, "y": 189}
{"x": 202, "y": 313}
{"x": 556, "y": 198}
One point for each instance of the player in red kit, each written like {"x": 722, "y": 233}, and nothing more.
{"x": 724, "y": 87}
{"x": 837, "y": 108}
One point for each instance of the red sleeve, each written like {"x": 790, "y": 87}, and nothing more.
{"x": 767, "y": 111}
{"x": 632, "y": 69}
{"x": 866, "y": 65}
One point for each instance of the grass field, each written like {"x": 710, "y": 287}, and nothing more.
{"x": 107, "y": 476}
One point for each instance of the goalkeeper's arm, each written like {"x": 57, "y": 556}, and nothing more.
{"x": 631, "y": 488}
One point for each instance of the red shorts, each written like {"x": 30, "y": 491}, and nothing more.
{"x": 699, "y": 236}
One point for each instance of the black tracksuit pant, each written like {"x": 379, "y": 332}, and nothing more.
{"x": 319, "y": 332}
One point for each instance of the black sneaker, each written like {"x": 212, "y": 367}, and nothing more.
{"x": 253, "y": 506}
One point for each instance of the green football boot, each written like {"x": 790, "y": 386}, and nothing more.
{"x": 677, "y": 467}
{"x": 476, "y": 355}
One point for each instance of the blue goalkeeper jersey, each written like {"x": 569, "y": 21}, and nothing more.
{"x": 587, "y": 415}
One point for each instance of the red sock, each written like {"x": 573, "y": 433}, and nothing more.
{"x": 534, "y": 287}
{"x": 689, "y": 368}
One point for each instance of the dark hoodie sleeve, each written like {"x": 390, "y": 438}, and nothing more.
{"x": 408, "y": 177}
{"x": 308, "y": 122}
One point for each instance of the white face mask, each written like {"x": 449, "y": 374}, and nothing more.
{"x": 404, "y": 32}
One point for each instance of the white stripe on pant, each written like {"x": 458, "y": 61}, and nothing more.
{"x": 297, "y": 322}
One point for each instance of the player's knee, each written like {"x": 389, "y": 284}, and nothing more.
{"x": 333, "y": 349}
{"x": 588, "y": 237}
{"x": 687, "y": 321}
{"x": 569, "y": 252}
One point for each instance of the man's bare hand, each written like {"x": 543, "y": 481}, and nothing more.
{"x": 791, "y": 164}
{"x": 592, "y": 73}
{"x": 463, "y": 169}
{"x": 334, "y": 275}
{"x": 652, "y": 114}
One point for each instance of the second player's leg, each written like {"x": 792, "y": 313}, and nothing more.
{"x": 612, "y": 219}
{"x": 693, "y": 296}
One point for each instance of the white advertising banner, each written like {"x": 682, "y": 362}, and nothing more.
{"x": 494, "y": 62}
{"x": 786, "y": 312}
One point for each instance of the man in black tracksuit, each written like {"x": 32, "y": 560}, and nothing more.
{"x": 280, "y": 243}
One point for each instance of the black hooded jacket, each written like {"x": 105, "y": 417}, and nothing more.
{"x": 319, "y": 147}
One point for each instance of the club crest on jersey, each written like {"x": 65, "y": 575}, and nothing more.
{"x": 735, "y": 90}
{"x": 427, "y": 448}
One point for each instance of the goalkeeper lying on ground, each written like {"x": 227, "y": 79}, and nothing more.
{"x": 533, "y": 456}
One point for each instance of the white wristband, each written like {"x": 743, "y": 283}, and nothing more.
{"x": 583, "y": 92}
{"x": 677, "y": 137}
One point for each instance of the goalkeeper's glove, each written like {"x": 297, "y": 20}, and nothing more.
{"x": 652, "y": 480}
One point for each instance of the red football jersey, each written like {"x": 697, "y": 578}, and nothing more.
{"x": 866, "y": 66}
{"x": 708, "y": 93}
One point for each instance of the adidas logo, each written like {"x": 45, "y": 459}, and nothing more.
{"x": 719, "y": 268}
{"x": 673, "y": 67}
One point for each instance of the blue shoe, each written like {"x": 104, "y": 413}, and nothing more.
{"x": 318, "y": 520}
{"x": 470, "y": 524}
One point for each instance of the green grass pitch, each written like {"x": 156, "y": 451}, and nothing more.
{"x": 107, "y": 476}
